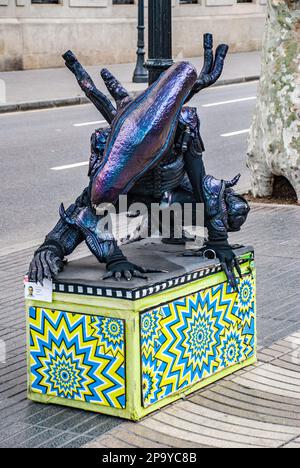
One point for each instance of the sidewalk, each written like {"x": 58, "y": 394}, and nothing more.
{"x": 34, "y": 89}
{"x": 257, "y": 406}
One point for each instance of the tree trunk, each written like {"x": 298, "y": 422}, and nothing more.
{"x": 274, "y": 144}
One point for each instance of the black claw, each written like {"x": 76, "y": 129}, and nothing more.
{"x": 229, "y": 275}
{"x": 128, "y": 275}
{"x": 108, "y": 275}
{"x": 118, "y": 276}
{"x": 152, "y": 270}
{"x": 40, "y": 270}
{"x": 238, "y": 268}
{"x": 138, "y": 274}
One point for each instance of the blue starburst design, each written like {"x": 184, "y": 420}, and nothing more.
{"x": 68, "y": 362}
{"x": 110, "y": 332}
{"x": 150, "y": 382}
{"x": 246, "y": 294}
{"x": 232, "y": 348}
{"x": 150, "y": 328}
{"x": 65, "y": 375}
{"x": 196, "y": 336}
{"x": 199, "y": 336}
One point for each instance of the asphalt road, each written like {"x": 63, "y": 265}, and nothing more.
{"x": 37, "y": 148}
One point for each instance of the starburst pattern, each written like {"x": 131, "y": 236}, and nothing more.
{"x": 232, "y": 348}
{"x": 150, "y": 331}
{"x": 195, "y": 337}
{"x": 150, "y": 382}
{"x": 67, "y": 360}
{"x": 110, "y": 332}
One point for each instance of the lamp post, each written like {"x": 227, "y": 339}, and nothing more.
{"x": 140, "y": 73}
{"x": 160, "y": 38}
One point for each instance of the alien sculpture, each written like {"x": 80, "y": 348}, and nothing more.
{"x": 151, "y": 151}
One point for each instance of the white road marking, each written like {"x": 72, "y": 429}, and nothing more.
{"x": 239, "y": 132}
{"x": 232, "y": 101}
{"x": 69, "y": 166}
{"x": 85, "y": 124}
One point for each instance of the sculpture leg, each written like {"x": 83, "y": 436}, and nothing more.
{"x": 48, "y": 260}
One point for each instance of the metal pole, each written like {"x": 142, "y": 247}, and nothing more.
{"x": 140, "y": 73}
{"x": 160, "y": 38}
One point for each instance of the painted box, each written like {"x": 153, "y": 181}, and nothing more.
{"x": 127, "y": 349}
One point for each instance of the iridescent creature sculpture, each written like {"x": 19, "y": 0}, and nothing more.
{"x": 151, "y": 151}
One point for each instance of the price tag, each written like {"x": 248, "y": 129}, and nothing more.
{"x": 37, "y": 292}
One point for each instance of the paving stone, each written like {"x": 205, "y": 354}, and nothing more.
{"x": 79, "y": 419}
{"x": 63, "y": 439}
{"x": 231, "y": 410}
{"x": 225, "y": 431}
{"x": 137, "y": 440}
{"x": 109, "y": 441}
{"x": 103, "y": 427}
{"x": 191, "y": 432}
{"x": 259, "y": 399}
{"x": 12, "y": 429}
{"x": 41, "y": 439}
{"x": 22, "y": 437}
{"x": 96, "y": 425}
{"x": 43, "y": 414}
{"x": 77, "y": 443}
{"x": 159, "y": 437}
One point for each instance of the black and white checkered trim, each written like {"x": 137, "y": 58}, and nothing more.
{"x": 135, "y": 294}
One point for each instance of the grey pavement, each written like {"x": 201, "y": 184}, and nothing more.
{"x": 273, "y": 231}
{"x": 58, "y": 86}
{"x": 257, "y": 407}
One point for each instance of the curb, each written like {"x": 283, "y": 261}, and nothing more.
{"x": 75, "y": 101}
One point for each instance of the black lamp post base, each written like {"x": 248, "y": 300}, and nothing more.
{"x": 140, "y": 76}
{"x": 140, "y": 73}
{"x": 156, "y": 67}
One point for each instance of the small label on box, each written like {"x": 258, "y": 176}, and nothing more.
{"x": 38, "y": 292}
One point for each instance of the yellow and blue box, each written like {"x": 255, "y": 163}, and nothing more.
{"x": 128, "y": 349}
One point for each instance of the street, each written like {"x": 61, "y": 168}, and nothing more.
{"x": 44, "y": 157}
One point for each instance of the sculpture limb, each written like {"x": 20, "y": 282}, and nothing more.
{"x": 212, "y": 68}
{"x": 48, "y": 260}
{"x": 115, "y": 88}
{"x": 211, "y": 193}
{"x": 100, "y": 101}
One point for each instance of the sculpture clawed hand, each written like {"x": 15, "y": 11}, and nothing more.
{"x": 212, "y": 67}
{"x": 228, "y": 259}
{"x": 45, "y": 264}
{"x": 128, "y": 270}
{"x": 119, "y": 267}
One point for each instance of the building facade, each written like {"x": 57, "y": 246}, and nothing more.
{"x": 34, "y": 33}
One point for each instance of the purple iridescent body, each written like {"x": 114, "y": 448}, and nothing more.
{"x": 142, "y": 133}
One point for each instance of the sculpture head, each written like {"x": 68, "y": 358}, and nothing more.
{"x": 142, "y": 133}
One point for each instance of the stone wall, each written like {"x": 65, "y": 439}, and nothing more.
{"x": 35, "y": 35}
